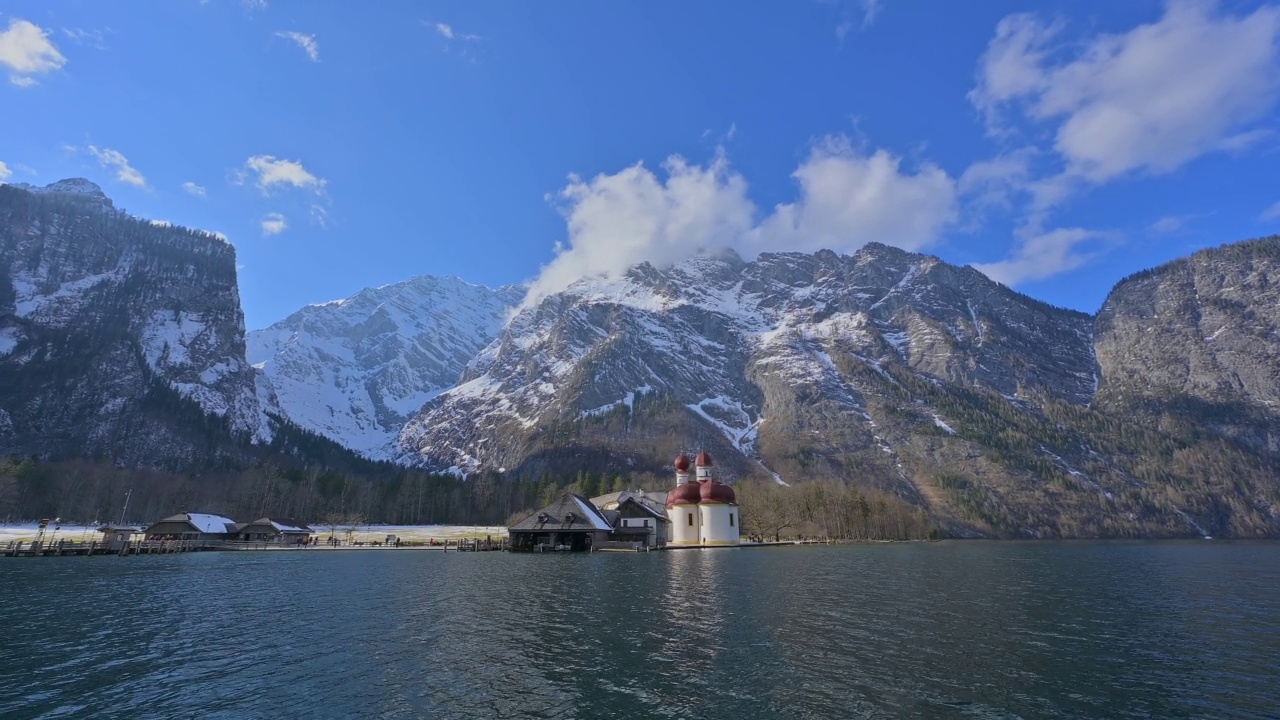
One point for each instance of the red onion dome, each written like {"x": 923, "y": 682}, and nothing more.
{"x": 684, "y": 494}
{"x": 704, "y": 460}
{"x": 682, "y": 463}
{"x": 714, "y": 491}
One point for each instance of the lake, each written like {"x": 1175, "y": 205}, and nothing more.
{"x": 934, "y": 630}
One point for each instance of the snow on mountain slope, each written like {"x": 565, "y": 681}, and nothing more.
{"x": 355, "y": 369}
{"x": 737, "y": 342}
{"x": 99, "y": 307}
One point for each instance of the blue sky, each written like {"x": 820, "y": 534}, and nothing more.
{"x": 1058, "y": 146}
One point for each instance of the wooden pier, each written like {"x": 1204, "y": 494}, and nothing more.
{"x": 27, "y": 548}
{"x": 23, "y": 548}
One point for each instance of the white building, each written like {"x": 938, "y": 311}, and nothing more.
{"x": 704, "y": 511}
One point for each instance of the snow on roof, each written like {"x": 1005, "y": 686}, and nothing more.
{"x": 285, "y": 525}
{"x": 209, "y": 523}
{"x": 591, "y": 514}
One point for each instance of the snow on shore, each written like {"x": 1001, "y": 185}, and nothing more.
{"x": 363, "y": 533}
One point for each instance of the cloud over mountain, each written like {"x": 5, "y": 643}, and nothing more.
{"x": 847, "y": 198}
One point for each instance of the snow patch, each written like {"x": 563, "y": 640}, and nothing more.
{"x": 8, "y": 340}
{"x": 168, "y": 336}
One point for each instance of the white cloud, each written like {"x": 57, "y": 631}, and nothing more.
{"x": 1171, "y": 224}
{"x": 161, "y": 223}
{"x": 868, "y": 10}
{"x": 252, "y": 5}
{"x": 320, "y": 215}
{"x": 92, "y": 38}
{"x": 113, "y": 159}
{"x": 847, "y": 198}
{"x": 194, "y": 189}
{"x": 5, "y": 172}
{"x": 272, "y": 171}
{"x": 1042, "y": 256}
{"x": 304, "y": 41}
{"x": 446, "y": 31}
{"x": 26, "y": 50}
{"x": 615, "y": 221}
{"x": 995, "y": 182}
{"x": 1151, "y": 99}
{"x": 273, "y": 224}
{"x": 1271, "y": 213}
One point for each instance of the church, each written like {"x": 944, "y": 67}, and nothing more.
{"x": 703, "y": 512}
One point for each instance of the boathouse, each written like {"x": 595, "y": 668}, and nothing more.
{"x": 569, "y": 523}
{"x": 278, "y": 530}
{"x": 115, "y": 537}
{"x": 200, "y": 527}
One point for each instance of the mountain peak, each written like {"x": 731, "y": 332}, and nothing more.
{"x": 79, "y": 187}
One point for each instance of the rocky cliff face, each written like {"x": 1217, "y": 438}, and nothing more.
{"x": 1201, "y": 333}
{"x": 118, "y": 338}
{"x": 355, "y": 369}
{"x": 750, "y": 354}
{"x": 889, "y": 369}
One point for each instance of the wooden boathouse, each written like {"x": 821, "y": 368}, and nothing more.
{"x": 570, "y": 523}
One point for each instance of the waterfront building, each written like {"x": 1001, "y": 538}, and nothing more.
{"x": 115, "y": 537}
{"x": 278, "y": 530}
{"x": 698, "y": 512}
{"x": 200, "y": 527}
{"x": 569, "y": 523}
{"x": 703, "y": 511}
{"x": 641, "y": 516}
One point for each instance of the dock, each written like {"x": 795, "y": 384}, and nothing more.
{"x": 23, "y": 548}
{"x": 59, "y": 548}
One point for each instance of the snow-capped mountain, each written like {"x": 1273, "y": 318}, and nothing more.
{"x": 107, "y": 322}
{"x": 751, "y": 350}
{"x": 988, "y": 409}
{"x": 355, "y": 369}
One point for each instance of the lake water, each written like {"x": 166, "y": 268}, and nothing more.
{"x": 934, "y": 630}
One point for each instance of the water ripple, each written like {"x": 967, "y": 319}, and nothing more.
{"x": 942, "y": 630}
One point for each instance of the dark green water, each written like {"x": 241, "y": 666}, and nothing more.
{"x": 945, "y": 630}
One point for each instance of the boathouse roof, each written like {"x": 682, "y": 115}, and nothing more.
{"x": 202, "y": 522}
{"x": 568, "y": 513}
{"x": 283, "y": 525}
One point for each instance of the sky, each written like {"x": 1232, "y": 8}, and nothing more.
{"x": 1057, "y": 146}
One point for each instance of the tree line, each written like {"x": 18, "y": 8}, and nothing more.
{"x": 87, "y": 491}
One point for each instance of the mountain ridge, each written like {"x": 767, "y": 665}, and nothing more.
{"x": 992, "y": 412}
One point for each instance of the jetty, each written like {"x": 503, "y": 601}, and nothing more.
{"x": 36, "y": 548}
{"x": 59, "y": 548}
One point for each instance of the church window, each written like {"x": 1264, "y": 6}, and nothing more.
{"x": 730, "y": 519}
{"x": 690, "y": 519}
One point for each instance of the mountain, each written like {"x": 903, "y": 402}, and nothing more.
{"x": 992, "y": 413}
{"x": 753, "y": 351}
{"x": 355, "y": 369}
{"x": 119, "y": 338}
{"x": 884, "y": 368}
{"x": 1201, "y": 333}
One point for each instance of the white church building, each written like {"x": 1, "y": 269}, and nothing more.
{"x": 703, "y": 511}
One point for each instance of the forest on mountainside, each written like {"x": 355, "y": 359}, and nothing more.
{"x": 84, "y": 491}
